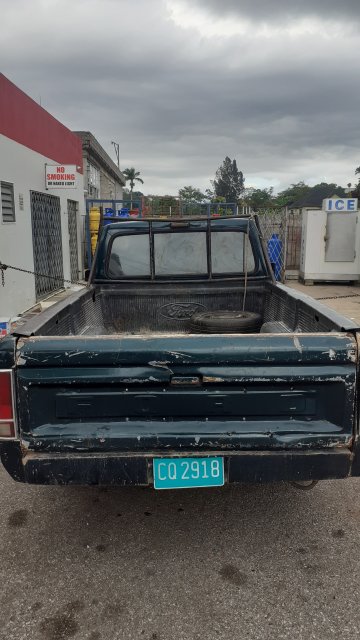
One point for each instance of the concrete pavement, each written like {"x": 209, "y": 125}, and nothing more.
{"x": 344, "y": 299}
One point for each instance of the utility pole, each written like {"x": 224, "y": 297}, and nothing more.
{"x": 117, "y": 152}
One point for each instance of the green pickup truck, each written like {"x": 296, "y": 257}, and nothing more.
{"x": 181, "y": 364}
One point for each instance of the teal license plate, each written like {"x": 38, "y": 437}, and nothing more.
{"x": 183, "y": 473}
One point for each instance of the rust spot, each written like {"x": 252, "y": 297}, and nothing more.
{"x": 185, "y": 381}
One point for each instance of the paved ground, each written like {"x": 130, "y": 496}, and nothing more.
{"x": 347, "y": 306}
{"x": 248, "y": 562}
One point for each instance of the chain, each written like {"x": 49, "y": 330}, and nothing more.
{"x": 350, "y": 295}
{"x": 3, "y": 268}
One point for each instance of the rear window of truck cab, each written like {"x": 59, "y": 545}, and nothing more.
{"x": 181, "y": 253}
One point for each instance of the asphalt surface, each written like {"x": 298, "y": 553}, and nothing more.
{"x": 246, "y": 562}
{"x": 240, "y": 563}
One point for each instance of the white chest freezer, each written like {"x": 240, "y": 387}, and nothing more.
{"x": 330, "y": 246}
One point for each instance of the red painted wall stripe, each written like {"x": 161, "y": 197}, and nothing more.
{"x": 24, "y": 121}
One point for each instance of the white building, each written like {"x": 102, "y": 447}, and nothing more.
{"x": 39, "y": 226}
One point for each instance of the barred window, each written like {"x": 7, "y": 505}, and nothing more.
{"x": 7, "y": 202}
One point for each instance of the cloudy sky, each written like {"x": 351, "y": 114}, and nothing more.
{"x": 181, "y": 84}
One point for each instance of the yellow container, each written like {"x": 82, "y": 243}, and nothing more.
{"x": 94, "y": 220}
{"x": 94, "y": 240}
{"x": 94, "y": 223}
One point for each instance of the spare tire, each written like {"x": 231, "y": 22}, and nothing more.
{"x": 225, "y": 322}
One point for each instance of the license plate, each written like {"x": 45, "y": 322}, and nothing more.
{"x": 183, "y": 473}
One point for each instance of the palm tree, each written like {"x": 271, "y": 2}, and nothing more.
{"x": 132, "y": 176}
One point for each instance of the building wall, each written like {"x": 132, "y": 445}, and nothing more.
{"x": 108, "y": 187}
{"x": 25, "y": 121}
{"x": 25, "y": 168}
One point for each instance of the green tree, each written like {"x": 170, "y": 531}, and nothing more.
{"x": 292, "y": 193}
{"x": 163, "y": 205}
{"x": 229, "y": 181}
{"x": 332, "y": 187}
{"x": 356, "y": 191}
{"x": 300, "y": 189}
{"x": 258, "y": 198}
{"x": 191, "y": 199}
{"x": 132, "y": 176}
{"x": 209, "y": 195}
{"x": 191, "y": 194}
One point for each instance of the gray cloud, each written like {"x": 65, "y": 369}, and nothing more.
{"x": 283, "y": 10}
{"x": 177, "y": 102}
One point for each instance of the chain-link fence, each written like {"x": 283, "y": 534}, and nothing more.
{"x": 282, "y": 233}
{"x": 273, "y": 227}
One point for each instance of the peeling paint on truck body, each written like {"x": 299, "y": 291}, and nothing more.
{"x": 98, "y": 409}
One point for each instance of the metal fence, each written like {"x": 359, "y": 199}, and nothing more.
{"x": 293, "y": 241}
{"x": 282, "y": 233}
{"x": 175, "y": 207}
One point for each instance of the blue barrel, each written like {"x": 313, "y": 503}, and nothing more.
{"x": 109, "y": 216}
{"x": 124, "y": 212}
{"x": 275, "y": 252}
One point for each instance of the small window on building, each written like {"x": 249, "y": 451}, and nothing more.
{"x": 7, "y": 202}
{"x": 93, "y": 181}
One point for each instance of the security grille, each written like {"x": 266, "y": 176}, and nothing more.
{"x": 73, "y": 239}
{"x": 7, "y": 202}
{"x": 47, "y": 244}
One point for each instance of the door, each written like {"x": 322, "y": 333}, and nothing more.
{"x": 73, "y": 239}
{"x": 340, "y": 237}
{"x": 47, "y": 243}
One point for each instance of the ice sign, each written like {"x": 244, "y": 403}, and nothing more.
{"x": 341, "y": 205}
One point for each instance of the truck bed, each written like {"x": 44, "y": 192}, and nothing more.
{"x": 112, "y": 377}
{"x": 136, "y": 309}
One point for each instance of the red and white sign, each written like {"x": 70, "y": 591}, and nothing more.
{"x": 60, "y": 176}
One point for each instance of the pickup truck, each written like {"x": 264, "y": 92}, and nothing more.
{"x": 182, "y": 363}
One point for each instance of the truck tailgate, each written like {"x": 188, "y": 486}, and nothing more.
{"x": 211, "y": 392}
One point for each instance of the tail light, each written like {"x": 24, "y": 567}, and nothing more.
{"x": 7, "y": 418}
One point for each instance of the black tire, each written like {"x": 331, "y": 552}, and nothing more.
{"x": 225, "y": 322}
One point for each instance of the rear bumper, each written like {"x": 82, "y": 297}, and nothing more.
{"x": 136, "y": 469}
